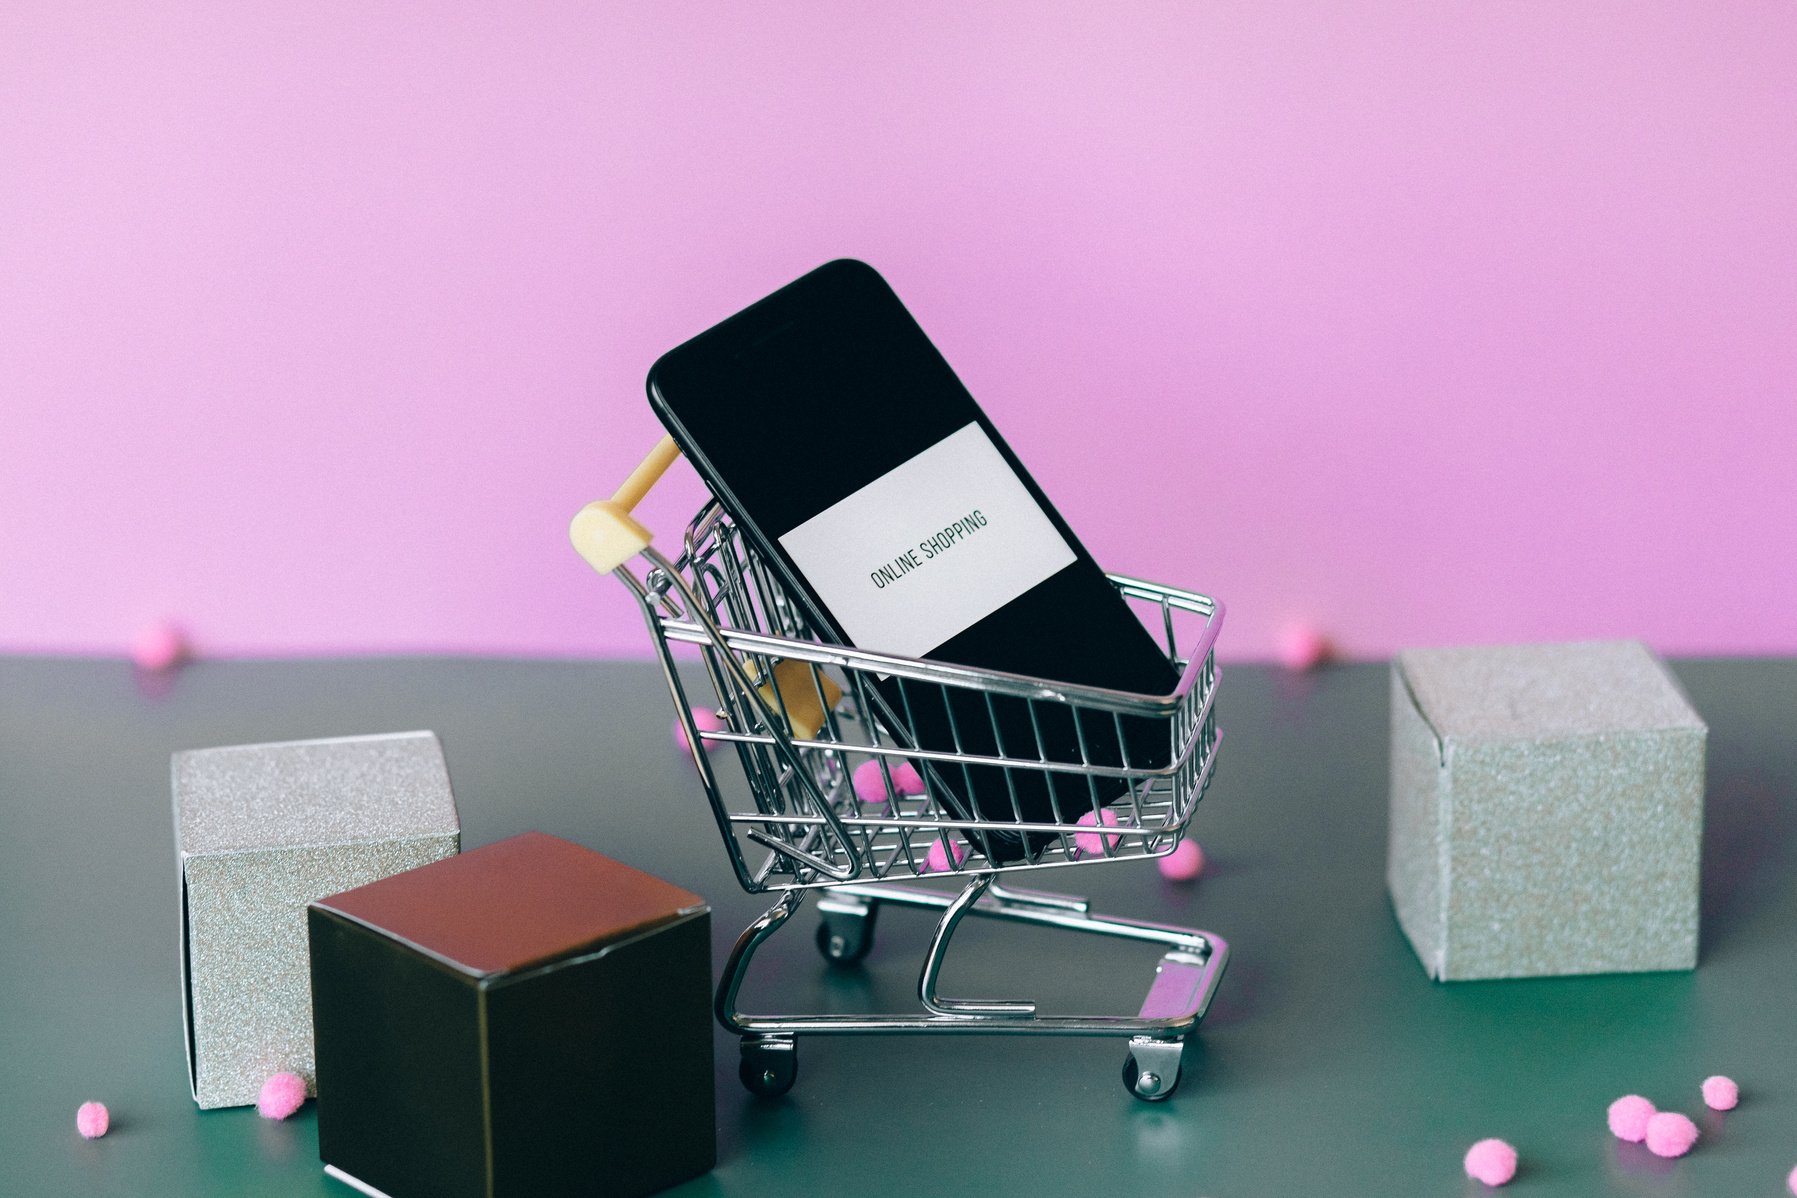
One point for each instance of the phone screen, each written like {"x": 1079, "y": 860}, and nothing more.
{"x": 841, "y": 441}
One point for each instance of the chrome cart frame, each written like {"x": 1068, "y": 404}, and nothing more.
{"x": 804, "y": 718}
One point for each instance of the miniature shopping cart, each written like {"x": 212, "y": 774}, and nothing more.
{"x": 805, "y": 716}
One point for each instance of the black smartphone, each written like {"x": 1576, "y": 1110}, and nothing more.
{"x": 842, "y": 444}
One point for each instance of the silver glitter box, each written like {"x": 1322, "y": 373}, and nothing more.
{"x": 1546, "y": 810}
{"x": 260, "y": 831}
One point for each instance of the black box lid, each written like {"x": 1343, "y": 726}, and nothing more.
{"x": 525, "y": 901}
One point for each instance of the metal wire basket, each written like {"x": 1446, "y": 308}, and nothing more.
{"x": 839, "y": 792}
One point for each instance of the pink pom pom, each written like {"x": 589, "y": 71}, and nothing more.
{"x": 1720, "y": 1093}
{"x": 705, "y": 720}
{"x": 159, "y": 648}
{"x": 1670, "y": 1134}
{"x": 1492, "y": 1162}
{"x": 1184, "y": 863}
{"x": 1303, "y": 647}
{"x": 1092, "y": 842}
{"x": 936, "y": 862}
{"x": 870, "y": 783}
{"x": 92, "y": 1119}
{"x": 1628, "y": 1118}
{"x": 1791, "y": 1181}
{"x": 906, "y": 779}
{"x": 282, "y": 1094}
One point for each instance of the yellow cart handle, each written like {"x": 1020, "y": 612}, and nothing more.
{"x": 604, "y": 532}
{"x": 607, "y": 535}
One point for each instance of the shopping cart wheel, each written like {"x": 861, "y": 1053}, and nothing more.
{"x": 846, "y": 931}
{"x": 841, "y": 947}
{"x": 770, "y": 1064}
{"x": 1151, "y": 1070}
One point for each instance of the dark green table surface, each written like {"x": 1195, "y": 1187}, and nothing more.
{"x": 1329, "y": 1064}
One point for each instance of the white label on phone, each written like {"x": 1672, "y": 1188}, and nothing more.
{"x": 928, "y": 549}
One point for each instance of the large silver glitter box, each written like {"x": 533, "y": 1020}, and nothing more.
{"x": 260, "y": 831}
{"x": 1546, "y": 810}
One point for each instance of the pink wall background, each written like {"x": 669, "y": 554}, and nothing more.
{"x": 1429, "y": 320}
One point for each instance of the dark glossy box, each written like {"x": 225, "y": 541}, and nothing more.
{"x": 529, "y": 1018}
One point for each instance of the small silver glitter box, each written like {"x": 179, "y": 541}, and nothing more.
{"x": 1546, "y": 810}
{"x": 260, "y": 831}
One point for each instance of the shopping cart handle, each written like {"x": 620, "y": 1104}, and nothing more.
{"x": 604, "y": 532}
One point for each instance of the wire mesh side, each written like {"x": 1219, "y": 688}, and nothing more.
{"x": 845, "y": 792}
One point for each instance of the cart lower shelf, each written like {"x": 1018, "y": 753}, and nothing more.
{"x": 1184, "y": 981}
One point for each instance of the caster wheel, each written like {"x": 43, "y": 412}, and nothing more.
{"x": 769, "y": 1067}
{"x": 1149, "y": 1087}
{"x": 841, "y": 945}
